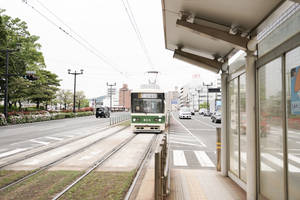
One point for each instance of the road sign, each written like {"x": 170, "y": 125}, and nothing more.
{"x": 214, "y": 90}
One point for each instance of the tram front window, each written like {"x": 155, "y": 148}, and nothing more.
{"x": 147, "y": 106}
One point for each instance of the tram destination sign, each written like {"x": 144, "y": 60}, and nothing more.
{"x": 214, "y": 90}
{"x": 147, "y": 96}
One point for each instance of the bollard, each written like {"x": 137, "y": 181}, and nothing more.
{"x": 218, "y": 145}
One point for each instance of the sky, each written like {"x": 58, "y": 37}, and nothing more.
{"x": 106, "y": 26}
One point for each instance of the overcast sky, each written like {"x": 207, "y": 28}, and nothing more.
{"x": 106, "y": 26}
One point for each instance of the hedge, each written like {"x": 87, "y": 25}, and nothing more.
{"x": 38, "y": 117}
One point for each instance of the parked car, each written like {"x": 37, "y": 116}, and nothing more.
{"x": 216, "y": 117}
{"x": 185, "y": 113}
{"x": 102, "y": 112}
{"x": 192, "y": 112}
{"x": 206, "y": 113}
{"x": 201, "y": 111}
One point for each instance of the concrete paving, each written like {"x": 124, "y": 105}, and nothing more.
{"x": 52, "y": 155}
{"x": 86, "y": 158}
{"x": 128, "y": 158}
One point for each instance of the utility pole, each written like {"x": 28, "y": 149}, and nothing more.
{"x": 110, "y": 93}
{"x": 207, "y": 85}
{"x": 74, "y": 97}
{"x": 198, "y": 91}
{"x": 7, "y": 52}
{"x": 193, "y": 94}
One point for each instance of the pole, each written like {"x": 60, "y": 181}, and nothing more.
{"x": 74, "y": 95}
{"x": 6, "y": 86}
{"x": 110, "y": 93}
{"x": 207, "y": 85}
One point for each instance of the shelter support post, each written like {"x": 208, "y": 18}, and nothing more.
{"x": 250, "y": 130}
{"x": 224, "y": 158}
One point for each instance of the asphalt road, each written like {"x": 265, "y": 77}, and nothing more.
{"x": 193, "y": 142}
{"x": 19, "y": 138}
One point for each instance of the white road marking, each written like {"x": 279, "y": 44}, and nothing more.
{"x": 203, "y": 159}
{"x": 12, "y": 152}
{"x": 58, "y": 152}
{"x": 53, "y": 138}
{"x": 204, "y": 145}
{"x": 32, "y": 162}
{"x": 39, "y": 142}
{"x": 185, "y": 143}
{"x": 207, "y": 124}
{"x": 85, "y": 157}
{"x": 199, "y": 129}
{"x": 279, "y": 162}
{"x": 179, "y": 158}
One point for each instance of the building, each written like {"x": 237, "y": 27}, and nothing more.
{"x": 125, "y": 97}
{"x": 256, "y": 47}
{"x": 172, "y": 100}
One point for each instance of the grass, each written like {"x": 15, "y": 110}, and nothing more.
{"x": 126, "y": 123}
{"x": 41, "y": 186}
{"x": 101, "y": 185}
{"x": 8, "y": 176}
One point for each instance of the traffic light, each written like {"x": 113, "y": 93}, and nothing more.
{"x": 31, "y": 77}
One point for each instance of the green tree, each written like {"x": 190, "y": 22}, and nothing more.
{"x": 64, "y": 97}
{"x": 44, "y": 89}
{"x": 204, "y": 105}
{"x": 80, "y": 97}
{"x": 13, "y": 31}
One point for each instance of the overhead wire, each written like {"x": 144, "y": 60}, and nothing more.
{"x": 136, "y": 30}
{"x": 88, "y": 47}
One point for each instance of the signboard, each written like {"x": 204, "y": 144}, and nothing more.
{"x": 147, "y": 96}
{"x": 295, "y": 91}
{"x": 174, "y": 101}
{"x": 214, "y": 90}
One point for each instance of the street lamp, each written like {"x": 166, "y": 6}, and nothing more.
{"x": 110, "y": 93}
{"x": 74, "y": 97}
{"x": 7, "y": 52}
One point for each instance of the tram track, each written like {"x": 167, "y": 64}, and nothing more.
{"x": 13, "y": 161}
{"x": 47, "y": 166}
{"x": 138, "y": 175}
{"x": 95, "y": 166}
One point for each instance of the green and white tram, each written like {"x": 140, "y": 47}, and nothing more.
{"x": 148, "y": 110}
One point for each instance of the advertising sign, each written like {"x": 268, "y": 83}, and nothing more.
{"x": 295, "y": 91}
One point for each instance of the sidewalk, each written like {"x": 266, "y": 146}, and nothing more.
{"x": 203, "y": 184}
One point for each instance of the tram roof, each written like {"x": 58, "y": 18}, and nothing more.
{"x": 202, "y": 32}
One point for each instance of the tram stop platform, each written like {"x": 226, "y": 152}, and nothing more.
{"x": 193, "y": 184}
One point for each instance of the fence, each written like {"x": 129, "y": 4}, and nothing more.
{"x": 115, "y": 119}
{"x": 162, "y": 172}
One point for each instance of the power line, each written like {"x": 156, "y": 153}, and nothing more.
{"x": 136, "y": 30}
{"x": 101, "y": 56}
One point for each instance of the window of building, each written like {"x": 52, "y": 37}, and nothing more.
{"x": 270, "y": 131}
{"x": 237, "y": 126}
{"x": 292, "y": 72}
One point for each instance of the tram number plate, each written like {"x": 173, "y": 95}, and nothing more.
{"x": 148, "y": 95}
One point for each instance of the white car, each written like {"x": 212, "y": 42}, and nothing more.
{"x": 185, "y": 113}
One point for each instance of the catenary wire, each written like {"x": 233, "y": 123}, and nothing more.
{"x": 101, "y": 57}
{"x": 136, "y": 30}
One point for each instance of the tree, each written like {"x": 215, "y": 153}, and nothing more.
{"x": 80, "y": 97}
{"x": 204, "y": 105}
{"x": 13, "y": 31}
{"x": 44, "y": 89}
{"x": 64, "y": 97}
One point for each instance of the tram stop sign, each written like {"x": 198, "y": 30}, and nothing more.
{"x": 214, "y": 90}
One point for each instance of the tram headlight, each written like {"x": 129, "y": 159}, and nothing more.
{"x": 159, "y": 120}
{"x": 133, "y": 119}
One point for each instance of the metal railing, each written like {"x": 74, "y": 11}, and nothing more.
{"x": 115, "y": 119}
{"x": 162, "y": 172}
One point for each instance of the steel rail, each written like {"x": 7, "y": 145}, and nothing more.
{"x": 49, "y": 148}
{"x": 54, "y": 147}
{"x": 94, "y": 166}
{"x": 145, "y": 158}
{"x": 59, "y": 160}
